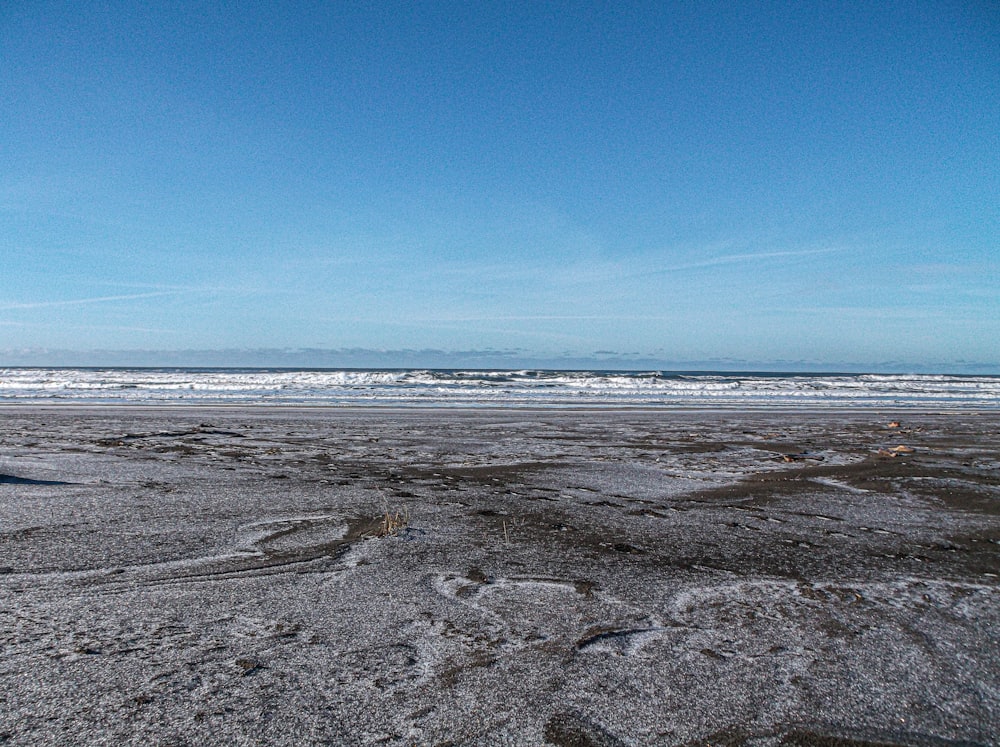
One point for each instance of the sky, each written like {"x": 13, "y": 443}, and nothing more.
{"x": 762, "y": 184}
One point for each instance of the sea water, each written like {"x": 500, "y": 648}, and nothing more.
{"x": 470, "y": 388}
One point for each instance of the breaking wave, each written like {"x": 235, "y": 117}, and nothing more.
{"x": 470, "y": 388}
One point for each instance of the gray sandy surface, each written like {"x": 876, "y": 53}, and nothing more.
{"x": 198, "y": 576}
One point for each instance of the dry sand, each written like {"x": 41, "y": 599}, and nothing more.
{"x": 199, "y": 576}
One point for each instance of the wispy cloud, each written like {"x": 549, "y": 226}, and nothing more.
{"x": 150, "y": 287}
{"x": 451, "y": 321}
{"x": 603, "y": 271}
{"x": 93, "y": 327}
{"x": 87, "y": 301}
{"x": 884, "y": 313}
{"x": 727, "y": 259}
{"x": 544, "y": 318}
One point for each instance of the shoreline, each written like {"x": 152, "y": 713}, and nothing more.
{"x": 498, "y": 408}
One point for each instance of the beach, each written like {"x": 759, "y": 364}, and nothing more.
{"x": 294, "y": 575}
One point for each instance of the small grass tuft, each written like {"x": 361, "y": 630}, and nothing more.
{"x": 393, "y": 522}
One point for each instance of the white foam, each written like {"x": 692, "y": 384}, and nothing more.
{"x": 472, "y": 388}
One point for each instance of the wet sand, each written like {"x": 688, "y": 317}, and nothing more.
{"x": 224, "y": 576}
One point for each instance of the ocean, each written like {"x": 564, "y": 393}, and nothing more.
{"x": 487, "y": 388}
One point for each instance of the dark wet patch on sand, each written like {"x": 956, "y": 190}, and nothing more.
{"x": 15, "y": 480}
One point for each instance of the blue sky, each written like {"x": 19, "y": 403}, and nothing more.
{"x": 671, "y": 181}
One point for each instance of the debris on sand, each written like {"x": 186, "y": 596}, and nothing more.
{"x": 248, "y": 667}
{"x": 895, "y": 451}
{"x": 802, "y": 455}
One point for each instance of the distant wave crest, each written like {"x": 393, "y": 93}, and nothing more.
{"x": 471, "y": 388}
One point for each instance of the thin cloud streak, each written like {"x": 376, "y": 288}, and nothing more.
{"x": 550, "y": 318}
{"x": 419, "y": 321}
{"x": 886, "y": 313}
{"x": 736, "y": 258}
{"x": 585, "y": 273}
{"x": 87, "y": 301}
{"x": 158, "y": 286}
